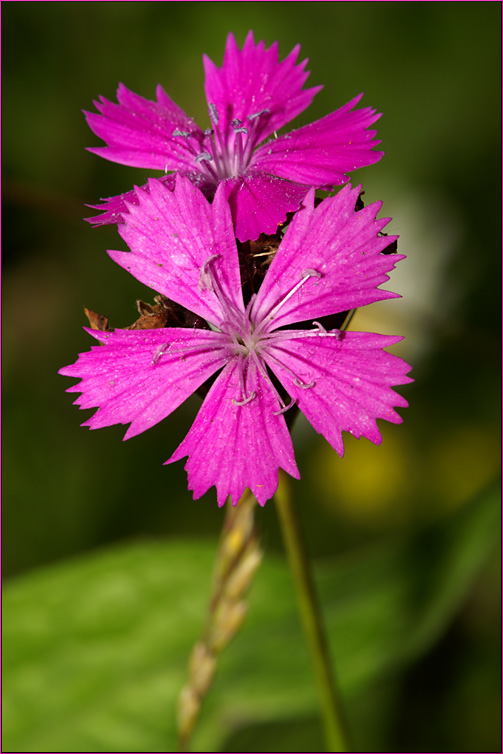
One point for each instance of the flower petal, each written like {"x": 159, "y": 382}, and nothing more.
{"x": 138, "y": 132}
{"x": 352, "y": 377}
{"x": 172, "y": 234}
{"x": 338, "y": 250}
{"x": 252, "y": 79}
{"x": 115, "y": 206}
{"x": 234, "y": 447}
{"x": 260, "y": 202}
{"x": 320, "y": 154}
{"x": 141, "y": 376}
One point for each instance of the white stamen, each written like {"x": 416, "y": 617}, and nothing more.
{"x": 249, "y": 305}
{"x": 304, "y": 385}
{"x": 309, "y": 273}
{"x": 203, "y": 156}
{"x": 285, "y": 408}
{"x": 245, "y": 400}
{"x": 241, "y": 371}
{"x": 279, "y": 335}
{"x": 253, "y": 116}
{"x": 306, "y": 274}
{"x": 213, "y": 113}
{"x": 159, "y": 352}
{"x": 205, "y": 278}
{"x": 296, "y": 381}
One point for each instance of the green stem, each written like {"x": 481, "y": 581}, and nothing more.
{"x": 336, "y": 730}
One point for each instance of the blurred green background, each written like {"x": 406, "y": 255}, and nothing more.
{"x": 406, "y": 532}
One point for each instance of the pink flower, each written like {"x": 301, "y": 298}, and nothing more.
{"x": 250, "y": 97}
{"x": 329, "y": 261}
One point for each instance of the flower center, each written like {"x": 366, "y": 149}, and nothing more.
{"x": 250, "y": 340}
{"x": 225, "y": 152}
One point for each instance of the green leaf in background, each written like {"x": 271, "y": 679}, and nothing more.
{"x": 95, "y": 650}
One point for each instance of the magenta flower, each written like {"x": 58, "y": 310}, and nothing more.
{"x": 250, "y": 97}
{"x": 328, "y": 261}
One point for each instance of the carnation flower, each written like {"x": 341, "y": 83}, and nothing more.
{"x": 250, "y": 98}
{"x": 329, "y": 261}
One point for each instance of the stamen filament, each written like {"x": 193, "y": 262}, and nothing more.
{"x": 245, "y": 400}
{"x": 285, "y": 408}
{"x": 207, "y": 279}
{"x": 279, "y": 335}
{"x": 238, "y": 157}
{"x": 304, "y": 385}
{"x": 204, "y": 157}
{"x": 263, "y": 371}
{"x": 241, "y": 371}
{"x": 306, "y": 274}
{"x": 252, "y": 138}
{"x": 230, "y": 149}
{"x": 164, "y": 348}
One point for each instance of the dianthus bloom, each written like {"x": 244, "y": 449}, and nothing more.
{"x": 249, "y": 98}
{"x": 329, "y": 261}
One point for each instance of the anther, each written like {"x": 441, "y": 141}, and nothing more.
{"x": 284, "y": 409}
{"x": 335, "y": 333}
{"x": 305, "y": 275}
{"x": 213, "y": 113}
{"x": 208, "y": 132}
{"x": 160, "y": 351}
{"x": 245, "y": 400}
{"x": 303, "y": 385}
{"x": 309, "y": 273}
{"x": 186, "y": 134}
{"x": 210, "y": 259}
{"x": 203, "y": 156}
{"x": 241, "y": 130}
{"x": 205, "y": 279}
{"x": 259, "y": 113}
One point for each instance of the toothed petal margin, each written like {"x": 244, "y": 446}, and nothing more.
{"x": 342, "y": 246}
{"x": 121, "y": 378}
{"x": 352, "y": 377}
{"x": 114, "y": 207}
{"x": 253, "y": 79}
{"x": 171, "y": 235}
{"x": 138, "y": 131}
{"x": 321, "y": 154}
